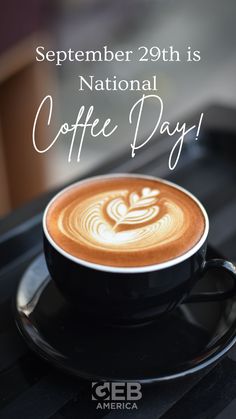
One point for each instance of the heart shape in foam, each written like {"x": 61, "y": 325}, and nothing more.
{"x": 141, "y": 208}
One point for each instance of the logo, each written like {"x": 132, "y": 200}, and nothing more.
{"x": 116, "y": 395}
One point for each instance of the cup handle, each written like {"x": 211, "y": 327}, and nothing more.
{"x": 221, "y": 264}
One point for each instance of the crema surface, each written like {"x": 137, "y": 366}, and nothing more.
{"x": 125, "y": 221}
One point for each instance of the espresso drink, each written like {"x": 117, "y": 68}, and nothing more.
{"x": 125, "y": 221}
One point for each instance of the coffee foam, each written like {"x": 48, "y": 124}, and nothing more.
{"x": 125, "y": 221}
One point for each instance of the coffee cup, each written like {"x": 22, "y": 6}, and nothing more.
{"x": 128, "y": 248}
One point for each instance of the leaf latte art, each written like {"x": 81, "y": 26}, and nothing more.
{"x": 119, "y": 218}
{"x": 125, "y": 222}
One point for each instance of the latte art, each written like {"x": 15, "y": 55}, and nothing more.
{"x": 126, "y": 222}
{"x": 118, "y": 218}
{"x": 139, "y": 209}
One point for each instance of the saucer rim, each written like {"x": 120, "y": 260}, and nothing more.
{"x": 146, "y": 381}
{"x": 21, "y": 319}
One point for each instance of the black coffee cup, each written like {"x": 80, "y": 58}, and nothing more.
{"x": 130, "y": 295}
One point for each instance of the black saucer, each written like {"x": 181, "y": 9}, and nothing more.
{"x": 180, "y": 343}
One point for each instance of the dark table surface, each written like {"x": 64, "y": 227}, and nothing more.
{"x": 31, "y": 388}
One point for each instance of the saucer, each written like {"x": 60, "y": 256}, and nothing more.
{"x": 188, "y": 339}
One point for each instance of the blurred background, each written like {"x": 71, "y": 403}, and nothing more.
{"x": 206, "y": 25}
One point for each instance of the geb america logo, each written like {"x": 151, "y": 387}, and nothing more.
{"x": 116, "y": 395}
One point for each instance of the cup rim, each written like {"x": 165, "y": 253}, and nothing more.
{"x": 121, "y": 269}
